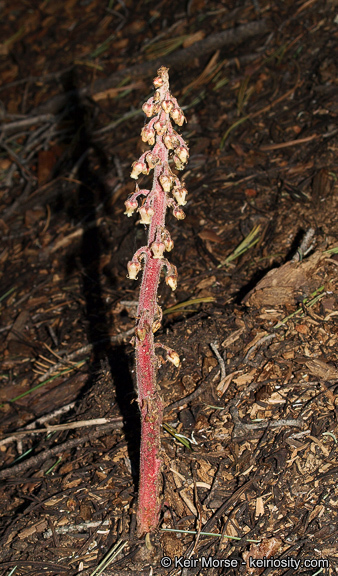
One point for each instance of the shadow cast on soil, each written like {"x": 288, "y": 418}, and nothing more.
{"x": 82, "y": 210}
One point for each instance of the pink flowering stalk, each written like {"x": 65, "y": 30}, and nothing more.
{"x": 167, "y": 191}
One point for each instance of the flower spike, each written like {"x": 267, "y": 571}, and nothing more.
{"x": 168, "y": 150}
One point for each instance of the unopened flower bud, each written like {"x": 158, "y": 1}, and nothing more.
{"x": 180, "y": 195}
{"x": 138, "y": 168}
{"x": 168, "y": 243}
{"x": 180, "y": 120}
{"x": 178, "y": 164}
{"x": 178, "y": 213}
{"x": 141, "y": 334}
{"x": 182, "y": 153}
{"x": 131, "y": 206}
{"x": 178, "y": 116}
{"x": 146, "y": 214}
{"x": 152, "y": 160}
{"x": 158, "y": 81}
{"x": 175, "y": 141}
{"x": 157, "y": 96}
{"x": 160, "y": 128}
{"x": 148, "y": 135}
{"x": 167, "y": 106}
{"x": 171, "y": 281}
{"x": 168, "y": 142}
{"x": 133, "y": 269}
{"x": 173, "y": 357}
{"x": 165, "y": 182}
{"x": 157, "y": 249}
{"x": 148, "y": 109}
{"x": 175, "y": 113}
{"x": 156, "y": 326}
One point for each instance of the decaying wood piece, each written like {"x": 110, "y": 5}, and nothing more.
{"x": 231, "y": 37}
{"x": 288, "y": 284}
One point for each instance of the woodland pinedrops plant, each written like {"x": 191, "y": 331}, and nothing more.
{"x": 166, "y": 192}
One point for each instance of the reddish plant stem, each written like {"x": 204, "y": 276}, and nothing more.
{"x": 150, "y": 402}
{"x": 151, "y": 419}
{"x": 159, "y": 133}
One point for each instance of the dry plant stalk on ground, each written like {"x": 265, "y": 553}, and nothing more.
{"x": 166, "y": 142}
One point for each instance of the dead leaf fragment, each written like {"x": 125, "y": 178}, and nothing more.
{"x": 16, "y": 337}
{"x": 206, "y": 282}
{"x": 302, "y": 329}
{"x": 72, "y": 483}
{"x": 245, "y": 378}
{"x": 47, "y": 160}
{"x": 5, "y": 163}
{"x": 267, "y": 548}
{"x": 259, "y": 507}
{"x": 40, "y": 526}
{"x": 250, "y": 193}
{"x": 321, "y": 186}
{"x": 210, "y": 235}
{"x": 33, "y": 216}
{"x": 192, "y": 38}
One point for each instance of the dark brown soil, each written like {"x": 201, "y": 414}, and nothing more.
{"x": 250, "y": 436}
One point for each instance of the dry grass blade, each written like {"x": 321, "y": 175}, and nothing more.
{"x": 43, "y": 382}
{"x": 307, "y": 303}
{"x": 109, "y": 557}
{"x": 244, "y": 94}
{"x": 249, "y": 242}
{"x": 262, "y": 110}
{"x": 186, "y": 303}
{"x": 164, "y": 47}
{"x": 114, "y": 92}
{"x": 208, "y": 73}
{"x": 179, "y": 437}
{"x": 333, "y": 250}
{"x": 210, "y": 534}
{"x": 58, "y": 427}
